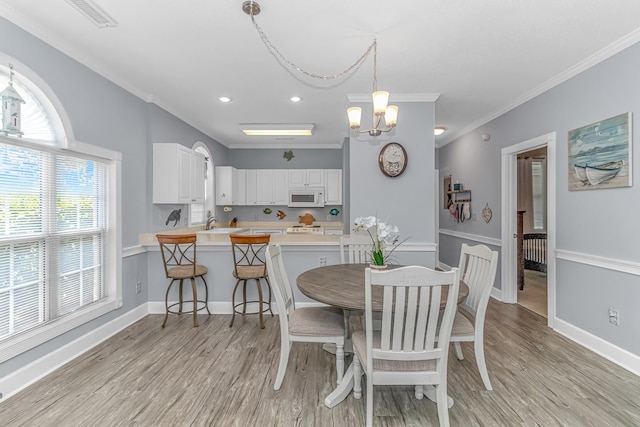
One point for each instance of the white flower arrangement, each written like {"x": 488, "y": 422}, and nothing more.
{"x": 382, "y": 235}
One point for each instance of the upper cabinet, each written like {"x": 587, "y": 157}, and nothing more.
{"x": 272, "y": 186}
{"x": 263, "y": 187}
{"x": 178, "y": 174}
{"x": 251, "y": 187}
{"x": 229, "y": 185}
{"x": 333, "y": 187}
{"x": 198, "y": 177}
{"x": 306, "y": 178}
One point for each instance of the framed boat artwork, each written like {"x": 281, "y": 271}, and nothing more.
{"x": 600, "y": 154}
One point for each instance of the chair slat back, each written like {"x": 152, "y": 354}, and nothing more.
{"x": 178, "y": 250}
{"x": 358, "y": 248}
{"x": 411, "y": 309}
{"x": 280, "y": 285}
{"x": 248, "y": 249}
{"x": 478, "y": 265}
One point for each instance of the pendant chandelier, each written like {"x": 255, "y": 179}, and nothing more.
{"x": 380, "y": 98}
{"x": 380, "y": 107}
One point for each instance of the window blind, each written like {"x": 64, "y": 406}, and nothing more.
{"x": 52, "y": 231}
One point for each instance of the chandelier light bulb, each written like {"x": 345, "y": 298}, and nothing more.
{"x": 354, "y": 113}
{"x": 391, "y": 116}
{"x": 380, "y": 100}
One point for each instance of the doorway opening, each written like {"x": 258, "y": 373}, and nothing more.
{"x": 513, "y": 235}
{"x": 532, "y": 230}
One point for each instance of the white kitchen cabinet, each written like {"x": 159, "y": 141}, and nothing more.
{"x": 272, "y": 186}
{"x": 280, "y": 187}
{"x": 333, "y": 187}
{"x": 227, "y": 185}
{"x": 306, "y": 178}
{"x": 178, "y": 174}
{"x": 198, "y": 177}
{"x": 241, "y": 200}
{"x": 251, "y": 187}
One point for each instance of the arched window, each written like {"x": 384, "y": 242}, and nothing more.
{"x": 60, "y": 256}
{"x": 199, "y": 211}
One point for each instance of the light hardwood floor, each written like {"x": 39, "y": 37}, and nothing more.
{"x": 221, "y": 376}
{"x": 534, "y": 294}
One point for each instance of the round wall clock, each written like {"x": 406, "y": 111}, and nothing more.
{"x": 393, "y": 159}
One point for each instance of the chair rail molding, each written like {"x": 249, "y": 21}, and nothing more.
{"x": 473, "y": 237}
{"x": 623, "y": 266}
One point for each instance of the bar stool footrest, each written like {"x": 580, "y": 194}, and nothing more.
{"x": 201, "y": 305}
{"x": 266, "y": 306}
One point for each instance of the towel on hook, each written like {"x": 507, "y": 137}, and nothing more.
{"x": 466, "y": 210}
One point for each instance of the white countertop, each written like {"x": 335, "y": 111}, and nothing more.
{"x": 302, "y": 239}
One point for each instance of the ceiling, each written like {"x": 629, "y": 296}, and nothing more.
{"x": 481, "y": 57}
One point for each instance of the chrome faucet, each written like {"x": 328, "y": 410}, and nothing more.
{"x": 210, "y": 221}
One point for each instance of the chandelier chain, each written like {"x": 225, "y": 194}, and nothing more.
{"x": 299, "y": 69}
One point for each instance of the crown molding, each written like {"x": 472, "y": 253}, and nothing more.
{"x": 591, "y": 61}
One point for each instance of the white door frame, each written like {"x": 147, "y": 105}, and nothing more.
{"x": 510, "y": 221}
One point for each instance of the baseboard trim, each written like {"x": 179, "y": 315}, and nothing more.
{"x": 34, "y": 371}
{"x": 611, "y": 352}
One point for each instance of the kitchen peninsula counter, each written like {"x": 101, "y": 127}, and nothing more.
{"x": 301, "y": 239}
{"x": 301, "y": 252}
{"x": 223, "y": 239}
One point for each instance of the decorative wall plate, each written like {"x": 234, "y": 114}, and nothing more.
{"x": 486, "y": 213}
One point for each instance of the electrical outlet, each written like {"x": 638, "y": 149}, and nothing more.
{"x": 138, "y": 287}
{"x": 614, "y": 316}
{"x": 474, "y": 217}
{"x": 323, "y": 261}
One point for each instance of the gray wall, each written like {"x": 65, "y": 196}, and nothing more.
{"x": 104, "y": 115}
{"x": 593, "y": 223}
{"x": 163, "y": 127}
{"x": 406, "y": 200}
{"x": 274, "y": 159}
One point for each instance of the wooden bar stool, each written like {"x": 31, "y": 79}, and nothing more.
{"x": 179, "y": 259}
{"x": 249, "y": 264}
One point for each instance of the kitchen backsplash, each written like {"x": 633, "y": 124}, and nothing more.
{"x": 168, "y": 217}
{"x": 278, "y": 213}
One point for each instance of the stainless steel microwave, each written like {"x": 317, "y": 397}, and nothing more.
{"x": 306, "y": 197}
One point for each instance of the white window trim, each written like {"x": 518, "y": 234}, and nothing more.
{"x": 22, "y": 342}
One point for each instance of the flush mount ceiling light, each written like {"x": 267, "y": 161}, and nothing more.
{"x": 439, "y": 130}
{"x": 225, "y": 99}
{"x": 295, "y": 99}
{"x": 277, "y": 129}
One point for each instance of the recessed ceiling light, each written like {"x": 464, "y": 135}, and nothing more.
{"x": 224, "y": 99}
{"x": 277, "y": 129}
{"x": 439, "y": 130}
{"x": 295, "y": 99}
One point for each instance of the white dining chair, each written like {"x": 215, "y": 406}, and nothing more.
{"x": 306, "y": 324}
{"x": 405, "y": 351}
{"x": 477, "y": 267}
{"x": 357, "y": 248}
{"x": 358, "y": 251}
